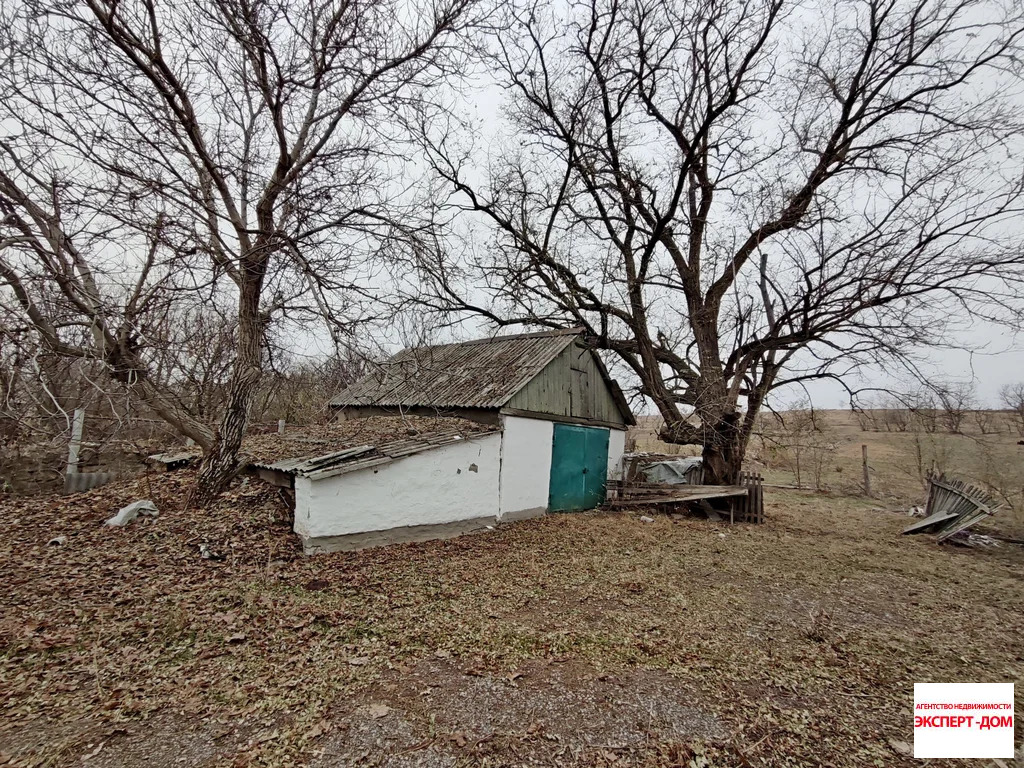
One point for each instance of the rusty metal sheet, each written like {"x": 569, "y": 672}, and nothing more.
{"x": 364, "y": 456}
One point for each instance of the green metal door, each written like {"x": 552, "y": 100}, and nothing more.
{"x": 579, "y": 467}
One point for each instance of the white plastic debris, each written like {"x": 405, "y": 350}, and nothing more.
{"x": 132, "y": 511}
{"x": 207, "y": 553}
{"x": 971, "y": 539}
{"x": 645, "y": 519}
{"x": 57, "y": 541}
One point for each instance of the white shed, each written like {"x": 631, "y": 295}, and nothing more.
{"x": 442, "y": 440}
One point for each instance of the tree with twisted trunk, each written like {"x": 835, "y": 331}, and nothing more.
{"x": 735, "y": 197}
{"x": 239, "y": 152}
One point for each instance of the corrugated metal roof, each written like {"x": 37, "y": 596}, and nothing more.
{"x": 485, "y": 373}
{"x": 365, "y": 456}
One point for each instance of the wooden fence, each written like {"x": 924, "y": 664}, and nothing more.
{"x": 75, "y": 481}
{"x": 750, "y": 508}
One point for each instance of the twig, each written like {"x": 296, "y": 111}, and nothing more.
{"x": 96, "y": 667}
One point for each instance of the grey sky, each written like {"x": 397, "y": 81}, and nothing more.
{"x": 990, "y": 355}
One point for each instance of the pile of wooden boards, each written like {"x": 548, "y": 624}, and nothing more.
{"x": 953, "y": 506}
{"x": 640, "y": 494}
{"x": 746, "y": 498}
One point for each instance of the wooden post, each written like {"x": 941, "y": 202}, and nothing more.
{"x": 280, "y": 426}
{"x": 867, "y": 472}
{"x": 75, "y": 446}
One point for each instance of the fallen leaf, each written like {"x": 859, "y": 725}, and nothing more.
{"x": 99, "y": 748}
{"x": 316, "y": 731}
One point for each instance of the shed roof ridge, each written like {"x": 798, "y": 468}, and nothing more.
{"x": 552, "y": 332}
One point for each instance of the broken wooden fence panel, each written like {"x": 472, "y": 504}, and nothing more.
{"x": 952, "y": 506}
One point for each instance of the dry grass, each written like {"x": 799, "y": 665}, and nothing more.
{"x": 792, "y": 643}
{"x": 898, "y": 461}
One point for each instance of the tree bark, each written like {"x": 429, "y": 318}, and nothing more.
{"x": 723, "y": 454}
{"x": 221, "y": 462}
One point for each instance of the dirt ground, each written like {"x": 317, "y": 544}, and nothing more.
{"x": 579, "y": 639}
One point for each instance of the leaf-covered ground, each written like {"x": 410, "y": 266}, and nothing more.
{"x": 583, "y": 639}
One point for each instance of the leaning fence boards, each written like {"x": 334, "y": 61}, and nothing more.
{"x": 952, "y": 506}
{"x": 750, "y": 508}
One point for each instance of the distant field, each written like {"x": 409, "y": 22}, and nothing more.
{"x": 830, "y": 458}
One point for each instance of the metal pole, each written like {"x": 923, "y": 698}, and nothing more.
{"x": 867, "y": 473}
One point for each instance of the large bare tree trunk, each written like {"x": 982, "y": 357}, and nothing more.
{"x": 221, "y": 462}
{"x": 723, "y": 452}
{"x": 723, "y": 440}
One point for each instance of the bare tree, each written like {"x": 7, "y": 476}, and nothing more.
{"x": 736, "y": 197}
{"x": 956, "y": 400}
{"x": 987, "y": 421}
{"x": 1012, "y": 398}
{"x": 243, "y": 153}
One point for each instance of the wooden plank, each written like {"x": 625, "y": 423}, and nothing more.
{"x": 976, "y": 495}
{"x": 758, "y": 499}
{"x": 953, "y": 505}
{"x": 75, "y": 444}
{"x": 931, "y": 521}
{"x": 710, "y": 492}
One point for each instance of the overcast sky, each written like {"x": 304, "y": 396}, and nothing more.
{"x": 989, "y": 355}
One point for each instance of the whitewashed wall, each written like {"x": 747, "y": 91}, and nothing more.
{"x": 526, "y": 464}
{"x": 525, "y": 467}
{"x": 616, "y": 447}
{"x": 501, "y": 475}
{"x": 442, "y": 485}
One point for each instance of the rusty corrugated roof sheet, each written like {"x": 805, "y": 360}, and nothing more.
{"x": 301, "y": 444}
{"x": 485, "y": 373}
{"x": 365, "y": 456}
{"x": 321, "y": 445}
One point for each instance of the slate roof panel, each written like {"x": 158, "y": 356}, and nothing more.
{"x": 485, "y": 373}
